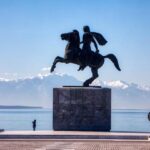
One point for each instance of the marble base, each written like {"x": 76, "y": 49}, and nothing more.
{"x": 82, "y": 109}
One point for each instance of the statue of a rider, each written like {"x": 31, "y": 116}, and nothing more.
{"x": 85, "y": 56}
{"x": 88, "y": 38}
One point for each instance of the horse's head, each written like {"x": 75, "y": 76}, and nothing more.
{"x": 71, "y": 36}
{"x": 66, "y": 36}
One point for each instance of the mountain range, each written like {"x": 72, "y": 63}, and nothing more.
{"x": 37, "y": 91}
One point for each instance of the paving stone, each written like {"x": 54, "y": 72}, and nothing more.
{"x": 72, "y": 145}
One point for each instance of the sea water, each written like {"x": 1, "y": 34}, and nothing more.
{"x": 21, "y": 119}
{"x": 122, "y": 120}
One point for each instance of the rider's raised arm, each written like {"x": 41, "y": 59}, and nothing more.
{"x": 95, "y": 44}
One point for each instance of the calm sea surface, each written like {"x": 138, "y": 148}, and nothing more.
{"x": 21, "y": 119}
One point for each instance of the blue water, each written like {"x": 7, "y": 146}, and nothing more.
{"x": 130, "y": 120}
{"x": 21, "y": 119}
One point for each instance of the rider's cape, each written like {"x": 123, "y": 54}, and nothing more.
{"x": 100, "y": 39}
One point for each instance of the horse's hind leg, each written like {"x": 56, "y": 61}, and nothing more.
{"x": 57, "y": 59}
{"x": 94, "y": 76}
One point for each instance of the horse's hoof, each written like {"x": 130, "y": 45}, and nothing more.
{"x": 52, "y": 69}
{"x": 85, "y": 85}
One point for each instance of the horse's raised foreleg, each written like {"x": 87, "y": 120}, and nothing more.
{"x": 94, "y": 76}
{"x": 57, "y": 59}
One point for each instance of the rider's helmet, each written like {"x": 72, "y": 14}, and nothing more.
{"x": 86, "y": 29}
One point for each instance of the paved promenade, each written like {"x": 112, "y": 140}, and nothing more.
{"x": 62, "y": 140}
{"x": 73, "y": 145}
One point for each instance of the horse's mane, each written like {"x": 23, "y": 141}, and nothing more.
{"x": 78, "y": 36}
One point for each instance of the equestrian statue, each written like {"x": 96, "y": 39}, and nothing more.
{"x": 84, "y": 56}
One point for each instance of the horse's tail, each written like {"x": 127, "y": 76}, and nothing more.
{"x": 113, "y": 58}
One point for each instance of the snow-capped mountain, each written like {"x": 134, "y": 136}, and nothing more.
{"x": 37, "y": 91}
{"x": 127, "y": 95}
{"x": 33, "y": 91}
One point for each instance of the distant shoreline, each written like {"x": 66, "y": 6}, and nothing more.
{"x": 20, "y": 107}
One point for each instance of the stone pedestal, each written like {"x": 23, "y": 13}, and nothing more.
{"x": 82, "y": 109}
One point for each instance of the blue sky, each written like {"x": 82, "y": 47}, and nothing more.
{"x": 30, "y": 35}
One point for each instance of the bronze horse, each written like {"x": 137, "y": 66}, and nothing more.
{"x": 73, "y": 54}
